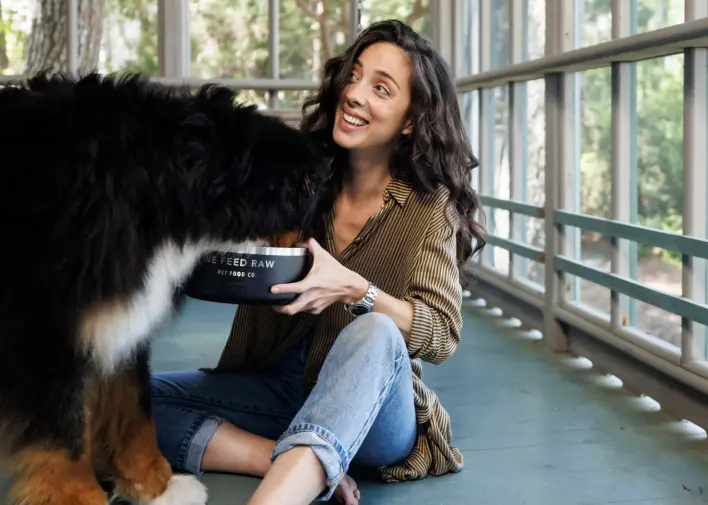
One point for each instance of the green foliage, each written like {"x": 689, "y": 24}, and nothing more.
{"x": 658, "y": 127}
{"x": 412, "y": 12}
{"x": 143, "y": 49}
{"x": 660, "y": 143}
{"x": 596, "y": 142}
{"x": 13, "y": 19}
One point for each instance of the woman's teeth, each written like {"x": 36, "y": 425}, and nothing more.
{"x": 353, "y": 120}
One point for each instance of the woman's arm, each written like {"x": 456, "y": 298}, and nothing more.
{"x": 429, "y": 315}
{"x": 330, "y": 282}
{"x": 400, "y": 311}
{"x": 436, "y": 295}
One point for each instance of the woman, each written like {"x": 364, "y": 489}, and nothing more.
{"x": 334, "y": 378}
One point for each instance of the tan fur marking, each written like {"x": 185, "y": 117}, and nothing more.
{"x": 128, "y": 441}
{"x": 92, "y": 330}
{"x": 98, "y": 315}
{"x": 45, "y": 477}
{"x": 288, "y": 239}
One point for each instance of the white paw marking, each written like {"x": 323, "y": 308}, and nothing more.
{"x": 181, "y": 490}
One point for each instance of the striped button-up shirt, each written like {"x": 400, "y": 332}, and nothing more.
{"x": 408, "y": 250}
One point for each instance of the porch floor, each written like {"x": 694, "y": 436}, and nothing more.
{"x": 535, "y": 428}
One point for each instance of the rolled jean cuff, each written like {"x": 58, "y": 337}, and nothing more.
{"x": 198, "y": 443}
{"x": 324, "y": 444}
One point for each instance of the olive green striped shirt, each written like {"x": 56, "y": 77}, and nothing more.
{"x": 408, "y": 250}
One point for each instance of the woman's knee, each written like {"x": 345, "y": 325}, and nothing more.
{"x": 375, "y": 331}
{"x": 166, "y": 385}
{"x": 371, "y": 341}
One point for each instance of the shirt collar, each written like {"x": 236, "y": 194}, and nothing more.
{"x": 398, "y": 189}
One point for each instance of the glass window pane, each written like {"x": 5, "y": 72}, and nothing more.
{"x": 413, "y": 12}
{"x": 129, "y": 41}
{"x": 594, "y": 165}
{"x": 15, "y": 25}
{"x": 468, "y": 44}
{"x": 660, "y": 194}
{"x": 593, "y": 22}
{"x": 655, "y": 14}
{"x": 534, "y": 29}
{"x": 114, "y": 36}
{"x": 229, "y": 39}
{"x": 310, "y": 34}
{"x": 500, "y": 33}
{"x": 501, "y": 179}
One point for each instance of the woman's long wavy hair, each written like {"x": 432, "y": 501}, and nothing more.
{"x": 437, "y": 151}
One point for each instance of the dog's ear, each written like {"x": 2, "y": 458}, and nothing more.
{"x": 216, "y": 98}
{"x": 198, "y": 125}
{"x": 192, "y": 142}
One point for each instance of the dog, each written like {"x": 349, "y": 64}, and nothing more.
{"x": 112, "y": 188}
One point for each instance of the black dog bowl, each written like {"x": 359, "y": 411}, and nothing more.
{"x": 245, "y": 277}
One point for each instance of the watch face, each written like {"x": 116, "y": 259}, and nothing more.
{"x": 358, "y": 310}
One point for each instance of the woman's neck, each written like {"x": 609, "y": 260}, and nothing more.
{"x": 366, "y": 177}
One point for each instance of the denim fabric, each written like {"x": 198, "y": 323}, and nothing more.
{"x": 360, "y": 412}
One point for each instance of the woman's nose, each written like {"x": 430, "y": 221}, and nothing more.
{"x": 356, "y": 95}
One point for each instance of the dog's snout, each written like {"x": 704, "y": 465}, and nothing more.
{"x": 288, "y": 239}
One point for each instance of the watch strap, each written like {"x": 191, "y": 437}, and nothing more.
{"x": 366, "y": 304}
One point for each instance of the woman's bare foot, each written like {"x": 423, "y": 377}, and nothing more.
{"x": 347, "y": 492}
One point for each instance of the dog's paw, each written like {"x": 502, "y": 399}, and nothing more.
{"x": 181, "y": 490}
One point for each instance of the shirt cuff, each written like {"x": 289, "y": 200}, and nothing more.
{"x": 421, "y": 328}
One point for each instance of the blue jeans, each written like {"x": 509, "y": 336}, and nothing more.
{"x": 360, "y": 412}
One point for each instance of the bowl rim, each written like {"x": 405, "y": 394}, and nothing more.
{"x": 262, "y": 251}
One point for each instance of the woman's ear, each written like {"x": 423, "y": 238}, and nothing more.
{"x": 408, "y": 129}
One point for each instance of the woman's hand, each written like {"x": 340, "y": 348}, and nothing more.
{"x": 327, "y": 282}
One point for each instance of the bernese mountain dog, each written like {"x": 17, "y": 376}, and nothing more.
{"x": 112, "y": 188}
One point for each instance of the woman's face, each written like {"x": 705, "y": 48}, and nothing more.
{"x": 374, "y": 103}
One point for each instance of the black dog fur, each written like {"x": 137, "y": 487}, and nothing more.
{"x": 112, "y": 186}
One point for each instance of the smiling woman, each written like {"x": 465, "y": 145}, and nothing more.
{"x": 374, "y": 103}
{"x": 333, "y": 378}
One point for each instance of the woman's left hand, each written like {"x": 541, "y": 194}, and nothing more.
{"x": 327, "y": 282}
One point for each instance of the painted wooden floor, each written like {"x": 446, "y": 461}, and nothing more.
{"x": 534, "y": 428}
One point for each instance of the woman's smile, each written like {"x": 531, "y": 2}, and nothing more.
{"x": 350, "y": 122}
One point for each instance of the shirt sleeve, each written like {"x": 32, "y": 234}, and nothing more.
{"x": 436, "y": 294}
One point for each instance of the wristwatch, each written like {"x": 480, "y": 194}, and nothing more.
{"x": 366, "y": 304}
